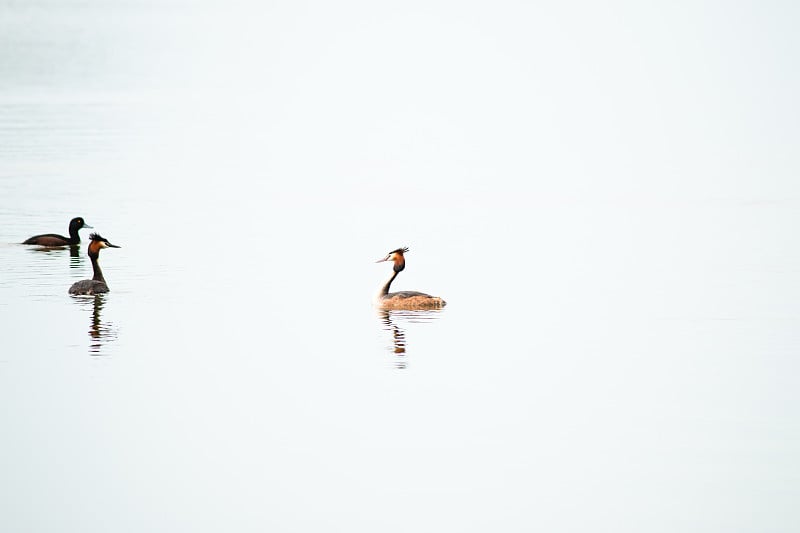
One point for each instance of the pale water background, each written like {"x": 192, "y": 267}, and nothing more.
{"x": 606, "y": 197}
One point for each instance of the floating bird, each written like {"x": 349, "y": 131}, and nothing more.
{"x": 96, "y": 285}
{"x": 404, "y": 299}
{"x": 53, "y": 239}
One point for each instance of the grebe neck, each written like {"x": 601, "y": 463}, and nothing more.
{"x": 385, "y": 289}
{"x": 98, "y": 274}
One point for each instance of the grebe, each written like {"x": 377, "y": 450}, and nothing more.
{"x": 404, "y": 299}
{"x": 97, "y": 284}
{"x": 53, "y": 239}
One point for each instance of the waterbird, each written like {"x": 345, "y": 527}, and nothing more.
{"x": 96, "y": 285}
{"x": 54, "y": 239}
{"x": 404, "y": 299}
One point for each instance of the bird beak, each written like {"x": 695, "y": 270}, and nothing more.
{"x": 85, "y": 225}
{"x": 113, "y": 245}
{"x": 384, "y": 259}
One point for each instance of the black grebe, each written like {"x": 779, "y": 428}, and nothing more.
{"x": 97, "y": 284}
{"x": 53, "y": 239}
{"x": 404, "y": 299}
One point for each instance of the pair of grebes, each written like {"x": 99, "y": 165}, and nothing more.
{"x": 97, "y": 285}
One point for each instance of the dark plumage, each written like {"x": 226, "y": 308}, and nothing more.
{"x": 54, "y": 239}
{"x": 88, "y": 287}
{"x": 96, "y": 285}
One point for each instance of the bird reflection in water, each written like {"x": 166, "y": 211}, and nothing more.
{"x": 101, "y": 333}
{"x": 74, "y": 250}
{"x": 75, "y": 257}
{"x": 393, "y": 320}
{"x": 52, "y": 252}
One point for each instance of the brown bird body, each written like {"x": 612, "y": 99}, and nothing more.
{"x": 96, "y": 285}
{"x": 54, "y": 239}
{"x": 404, "y": 299}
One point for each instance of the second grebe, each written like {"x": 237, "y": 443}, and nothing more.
{"x": 404, "y": 299}
{"x": 53, "y": 239}
{"x": 96, "y": 285}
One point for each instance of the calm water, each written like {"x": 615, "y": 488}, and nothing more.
{"x": 612, "y": 226}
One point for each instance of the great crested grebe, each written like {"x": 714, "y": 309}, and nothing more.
{"x": 96, "y": 285}
{"x": 53, "y": 239}
{"x": 404, "y": 299}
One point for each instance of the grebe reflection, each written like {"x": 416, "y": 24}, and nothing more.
{"x": 398, "y": 337}
{"x": 100, "y": 332}
{"x": 395, "y": 322}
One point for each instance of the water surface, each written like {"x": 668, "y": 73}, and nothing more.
{"x": 608, "y": 213}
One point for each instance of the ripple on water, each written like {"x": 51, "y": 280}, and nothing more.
{"x": 396, "y": 321}
{"x": 101, "y": 332}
